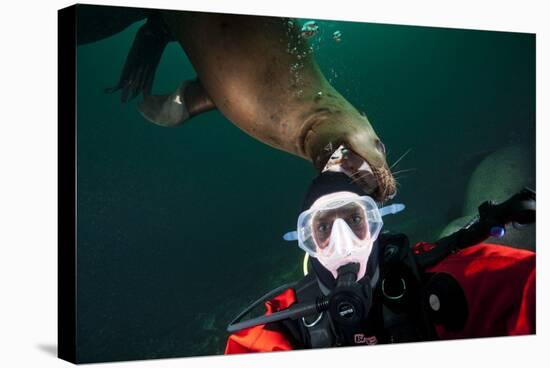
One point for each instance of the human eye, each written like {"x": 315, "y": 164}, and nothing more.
{"x": 355, "y": 219}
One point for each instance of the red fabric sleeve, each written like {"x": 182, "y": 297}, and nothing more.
{"x": 499, "y": 285}
{"x": 259, "y": 339}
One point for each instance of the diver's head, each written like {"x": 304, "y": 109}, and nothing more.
{"x": 338, "y": 225}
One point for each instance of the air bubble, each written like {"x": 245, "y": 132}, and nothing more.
{"x": 309, "y": 29}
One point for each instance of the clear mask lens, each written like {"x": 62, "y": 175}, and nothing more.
{"x": 351, "y": 214}
{"x": 352, "y": 217}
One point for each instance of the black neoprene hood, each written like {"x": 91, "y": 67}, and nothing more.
{"x": 330, "y": 182}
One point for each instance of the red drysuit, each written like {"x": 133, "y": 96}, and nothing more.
{"x": 498, "y": 282}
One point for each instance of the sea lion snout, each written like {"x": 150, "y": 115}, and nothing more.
{"x": 366, "y": 161}
{"x": 377, "y": 181}
{"x": 371, "y": 149}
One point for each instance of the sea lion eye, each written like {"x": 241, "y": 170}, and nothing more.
{"x": 380, "y": 146}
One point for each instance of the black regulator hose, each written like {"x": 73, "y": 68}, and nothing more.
{"x": 347, "y": 303}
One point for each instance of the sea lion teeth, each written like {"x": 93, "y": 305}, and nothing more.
{"x": 359, "y": 170}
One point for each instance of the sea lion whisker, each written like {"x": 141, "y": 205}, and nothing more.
{"x": 401, "y": 177}
{"x": 359, "y": 178}
{"x": 357, "y": 173}
{"x": 400, "y": 158}
{"x": 404, "y": 171}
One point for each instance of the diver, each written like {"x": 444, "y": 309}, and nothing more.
{"x": 365, "y": 286}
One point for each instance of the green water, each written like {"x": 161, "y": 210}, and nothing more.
{"x": 179, "y": 229}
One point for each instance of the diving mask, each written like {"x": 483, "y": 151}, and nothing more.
{"x": 340, "y": 228}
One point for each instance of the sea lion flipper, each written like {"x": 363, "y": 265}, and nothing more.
{"x": 143, "y": 59}
{"x": 189, "y": 99}
{"x": 96, "y": 22}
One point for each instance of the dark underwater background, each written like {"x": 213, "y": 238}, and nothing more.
{"x": 179, "y": 229}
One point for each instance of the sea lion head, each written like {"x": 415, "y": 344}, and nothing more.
{"x": 324, "y": 133}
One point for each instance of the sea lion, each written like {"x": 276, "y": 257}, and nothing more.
{"x": 261, "y": 74}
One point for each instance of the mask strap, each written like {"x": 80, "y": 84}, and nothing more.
{"x": 392, "y": 209}
{"x": 291, "y": 236}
